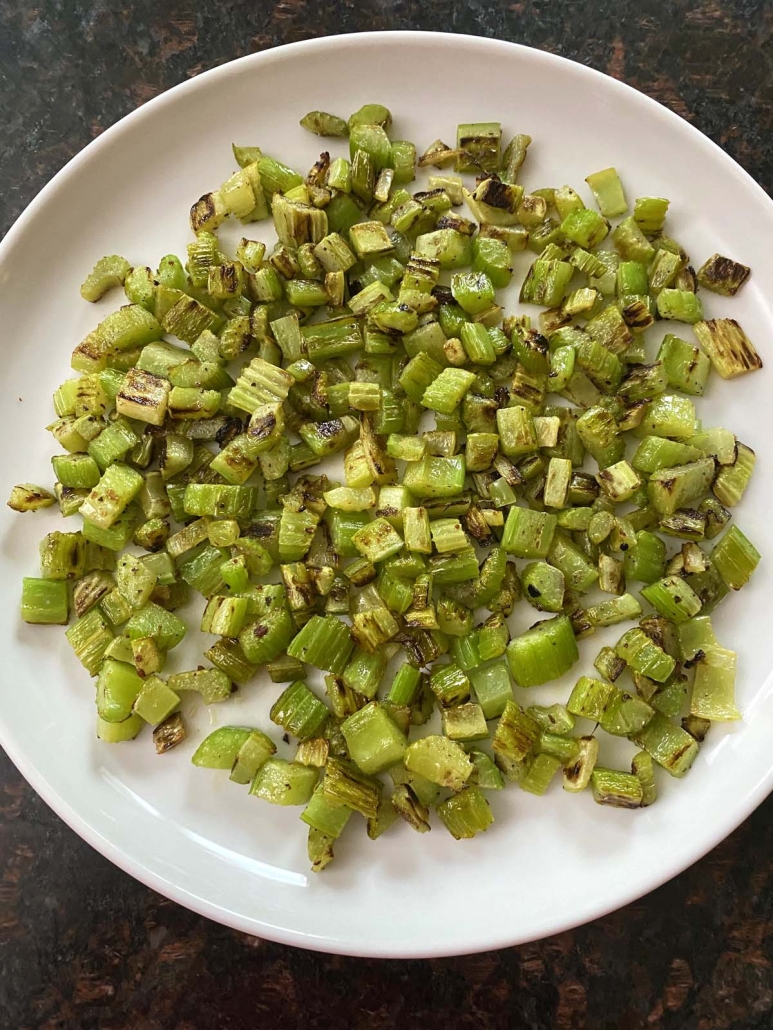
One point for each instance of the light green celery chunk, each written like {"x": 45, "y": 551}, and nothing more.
{"x": 713, "y": 694}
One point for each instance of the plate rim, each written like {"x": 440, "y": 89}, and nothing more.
{"x": 47, "y": 790}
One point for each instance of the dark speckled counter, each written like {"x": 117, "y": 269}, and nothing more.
{"x": 82, "y": 945}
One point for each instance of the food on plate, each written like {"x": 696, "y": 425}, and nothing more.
{"x": 347, "y": 457}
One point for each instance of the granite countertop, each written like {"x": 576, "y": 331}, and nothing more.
{"x": 82, "y": 945}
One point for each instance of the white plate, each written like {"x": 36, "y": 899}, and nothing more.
{"x": 548, "y": 863}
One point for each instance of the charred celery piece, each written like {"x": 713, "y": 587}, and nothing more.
{"x": 484, "y": 772}
{"x": 299, "y": 711}
{"x": 319, "y": 849}
{"x": 285, "y": 669}
{"x": 680, "y": 487}
{"x": 731, "y": 480}
{"x": 644, "y": 656}
{"x": 107, "y": 273}
{"x": 227, "y": 656}
{"x": 631, "y": 243}
{"x": 440, "y": 761}
{"x": 619, "y": 481}
{"x": 466, "y": 813}
{"x": 722, "y": 275}
{"x": 219, "y": 501}
{"x": 598, "y": 431}
{"x": 585, "y": 228}
{"x": 478, "y": 146}
{"x": 601, "y": 366}
{"x": 578, "y": 772}
{"x": 680, "y": 305}
{"x": 673, "y": 598}
{"x": 405, "y": 686}
{"x": 500, "y": 204}
{"x": 546, "y": 282}
{"x": 650, "y": 213}
{"x": 187, "y": 319}
{"x": 555, "y": 719}
{"x": 735, "y": 558}
{"x": 731, "y": 351}
{"x": 417, "y": 376}
{"x": 260, "y": 383}
{"x": 669, "y": 745}
{"x": 590, "y": 697}
{"x": 513, "y": 157}
{"x": 411, "y": 808}
{"x": 515, "y": 738}
{"x": 543, "y": 586}
{"x": 344, "y": 785}
{"x": 115, "y": 732}
{"x": 686, "y": 523}
{"x": 126, "y": 329}
{"x": 527, "y": 533}
{"x": 492, "y": 257}
{"x": 543, "y": 653}
{"x": 377, "y": 540}
{"x": 671, "y": 416}
{"x": 267, "y": 637}
{"x": 203, "y": 571}
{"x": 663, "y": 270}
{"x": 117, "y": 536}
{"x": 464, "y": 723}
{"x": 28, "y": 497}
{"x": 135, "y": 581}
{"x": 687, "y": 367}
{"x": 78, "y": 471}
{"x": 118, "y": 486}
{"x": 323, "y": 124}
{"x": 565, "y": 749}
{"x": 364, "y": 671}
{"x": 324, "y": 642}
{"x": 608, "y": 328}
{"x": 90, "y": 590}
{"x": 325, "y": 818}
{"x": 516, "y": 431}
{"x": 224, "y": 616}
{"x": 642, "y": 768}
{"x": 617, "y": 789}
{"x": 448, "y": 535}
{"x": 449, "y": 684}
{"x": 696, "y": 636}
{"x": 625, "y": 714}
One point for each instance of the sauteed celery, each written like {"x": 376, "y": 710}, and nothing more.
{"x": 546, "y": 459}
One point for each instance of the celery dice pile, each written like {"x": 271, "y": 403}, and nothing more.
{"x": 478, "y": 461}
